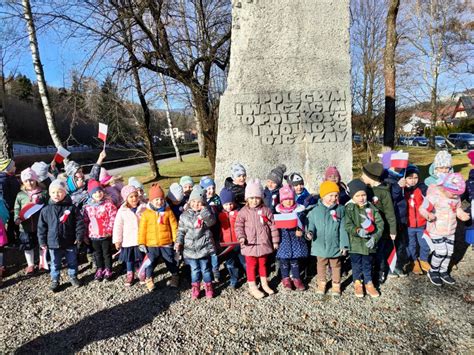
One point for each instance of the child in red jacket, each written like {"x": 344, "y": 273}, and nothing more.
{"x": 228, "y": 237}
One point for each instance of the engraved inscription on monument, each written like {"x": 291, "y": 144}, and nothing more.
{"x": 290, "y": 117}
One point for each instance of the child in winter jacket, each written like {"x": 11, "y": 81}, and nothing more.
{"x": 112, "y": 186}
{"x": 442, "y": 164}
{"x": 228, "y": 237}
{"x": 4, "y": 218}
{"x": 9, "y": 188}
{"x": 140, "y": 188}
{"x": 30, "y": 194}
{"x": 125, "y": 232}
{"x": 418, "y": 249}
{"x": 293, "y": 247}
{"x": 258, "y": 237}
{"x": 196, "y": 240}
{"x": 273, "y": 185}
{"x": 332, "y": 174}
{"x": 364, "y": 225}
{"x": 378, "y": 193}
{"x": 302, "y": 196}
{"x": 443, "y": 205}
{"x": 175, "y": 199}
{"x": 329, "y": 237}
{"x": 61, "y": 230}
{"x": 236, "y": 183}
{"x": 187, "y": 184}
{"x": 156, "y": 236}
{"x": 99, "y": 217}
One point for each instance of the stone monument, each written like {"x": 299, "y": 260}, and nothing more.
{"x": 288, "y": 93}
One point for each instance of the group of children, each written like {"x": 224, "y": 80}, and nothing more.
{"x": 247, "y": 225}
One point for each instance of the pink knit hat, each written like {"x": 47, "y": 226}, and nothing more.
{"x": 453, "y": 183}
{"x": 127, "y": 190}
{"x": 332, "y": 170}
{"x": 287, "y": 193}
{"x": 28, "y": 174}
{"x": 254, "y": 189}
{"x": 470, "y": 155}
{"x": 104, "y": 176}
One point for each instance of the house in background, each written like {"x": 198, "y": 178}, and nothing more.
{"x": 464, "y": 109}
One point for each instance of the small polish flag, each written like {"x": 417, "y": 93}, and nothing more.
{"x": 43, "y": 263}
{"x": 399, "y": 160}
{"x": 286, "y": 220}
{"x": 29, "y": 210}
{"x": 427, "y": 238}
{"x": 392, "y": 259}
{"x": 61, "y": 154}
{"x": 367, "y": 224}
{"x": 102, "y": 132}
{"x": 146, "y": 262}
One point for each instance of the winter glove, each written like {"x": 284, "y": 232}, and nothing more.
{"x": 143, "y": 249}
{"x": 362, "y": 233}
{"x": 371, "y": 243}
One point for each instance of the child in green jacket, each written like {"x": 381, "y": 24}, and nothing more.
{"x": 328, "y": 235}
{"x": 365, "y": 227}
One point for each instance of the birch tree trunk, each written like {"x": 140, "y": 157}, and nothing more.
{"x": 168, "y": 118}
{"x": 42, "y": 88}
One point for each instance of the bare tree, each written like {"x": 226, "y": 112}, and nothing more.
{"x": 168, "y": 118}
{"x": 42, "y": 87}
{"x": 390, "y": 74}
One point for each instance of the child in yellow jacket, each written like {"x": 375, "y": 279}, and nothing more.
{"x": 156, "y": 235}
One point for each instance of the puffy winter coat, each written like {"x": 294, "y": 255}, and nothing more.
{"x": 227, "y": 226}
{"x": 305, "y": 198}
{"x": 9, "y": 188}
{"x": 99, "y": 218}
{"x": 381, "y": 198}
{"x": 329, "y": 233}
{"x": 271, "y": 198}
{"x": 22, "y": 199}
{"x": 157, "y": 228}
{"x": 353, "y": 222}
{"x": 58, "y": 228}
{"x": 237, "y": 190}
{"x": 194, "y": 233}
{"x": 79, "y": 196}
{"x": 414, "y": 197}
{"x": 398, "y": 198}
{"x": 126, "y": 226}
{"x": 257, "y": 227}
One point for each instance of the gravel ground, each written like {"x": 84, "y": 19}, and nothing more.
{"x": 410, "y": 316}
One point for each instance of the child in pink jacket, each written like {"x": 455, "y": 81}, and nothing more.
{"x": 440, "y": 208}
{"x": 258, "y": 237}
{"x": 125, "y": 233}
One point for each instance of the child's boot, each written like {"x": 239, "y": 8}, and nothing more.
{"x": 286, "y": 282}
{"x": 141, "y": 277}
{"x": 299, "y": 285}
{"x": 435, "y": 278}
{"x": 447, "y": 279}
{"x": 99, "y": 275}
{"x": 417, "y": 268}
{"x": 371, "y": 290}
{"x": 425, "y": 266}
{"x": 173, "y": 281}
{"x": 150, "y": 285}
{"x": 254, "y": 291}
{"x": 195, "y": 290}
{"x": 336, "y": 289}
{"x": 321, "y": 289}
{"x": 54, "y": 285}
{"x": 2, "y": 270}
{"x": 209, "y": 290}
{"x": 129, "y": 279}
{"x": 265, "y": 286}
{"x": 358, "y": 289}
{"x": 107, "y": 275}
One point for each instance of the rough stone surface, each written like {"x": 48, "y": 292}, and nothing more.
{"x": 288, "y": 95}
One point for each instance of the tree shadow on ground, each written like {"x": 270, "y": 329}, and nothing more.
{"x": 108, "y": 323}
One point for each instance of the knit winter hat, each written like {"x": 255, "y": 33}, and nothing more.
{"x": 453, "y": 183}
{"x": 276, "y": 175}
{"x": 127, "y": 190}
{"x": 71, "y": 168}
{"x": 442, "y": 159}
{"x": 412, "y": 169}
{"x": 373, "y": 171}
{"x": 57, "y": 184}
{"x": 41, "y": 169}
{"x": 206, "y": 182}
{"x": 186, "y": 180}
{"x": 254, "y": 189}
{"x": 226, "y": 196}
{"x": 93, "y": 186}
{"x": 28, "y": 174}
{"x": 328, "y": 187}
{"x": 237, "y": 170}
{"x": 198, "y": 193}
{"x": 104, "y": 176}
{"x": 287, "y": 193}
{"x": 295, "y": 179}
{"x": 355, "y": 186}
{"x": 155, "y": 192}
{"x": 134, "y": 182}
{"x": 332, "y": 170}
{"x": 386, "y": 159}
{"x": 175, "y": 192}
{"x": 5, "y": 164}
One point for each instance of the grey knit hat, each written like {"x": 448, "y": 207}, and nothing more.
{"x": 442, "y": 159}
{"x": 71, "y": 168}
{"x": 41, "y": 169}
{"x": 237, "y": 170}
{"x": 57, "y": 184}
{"x": 198, "y": 193}
{"x": 276, "y": 175}
{"x": 175, "y": 192}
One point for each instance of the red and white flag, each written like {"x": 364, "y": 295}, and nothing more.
{"x": 64, "y": 217}
{"x": 198, "y": 223}
{"x": 263, "y": 219}
{"x": 146, "y": 262}
{"x": 334, "y": 215}
{"x": 61, "y": 154}
{"x": 286, "y": 220}
{"x": 370, "y": 214}
{"x": 43, "y": 263}
{"x": 102, "y": 132}
{"x": 29, "y": 210}
{"x": 161, "y": 218}
{"x": 399, "y": 160}
{"x": 392, "y": 259}
{"x": 367, "y": 224}
{"x": 427, "y": 238}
